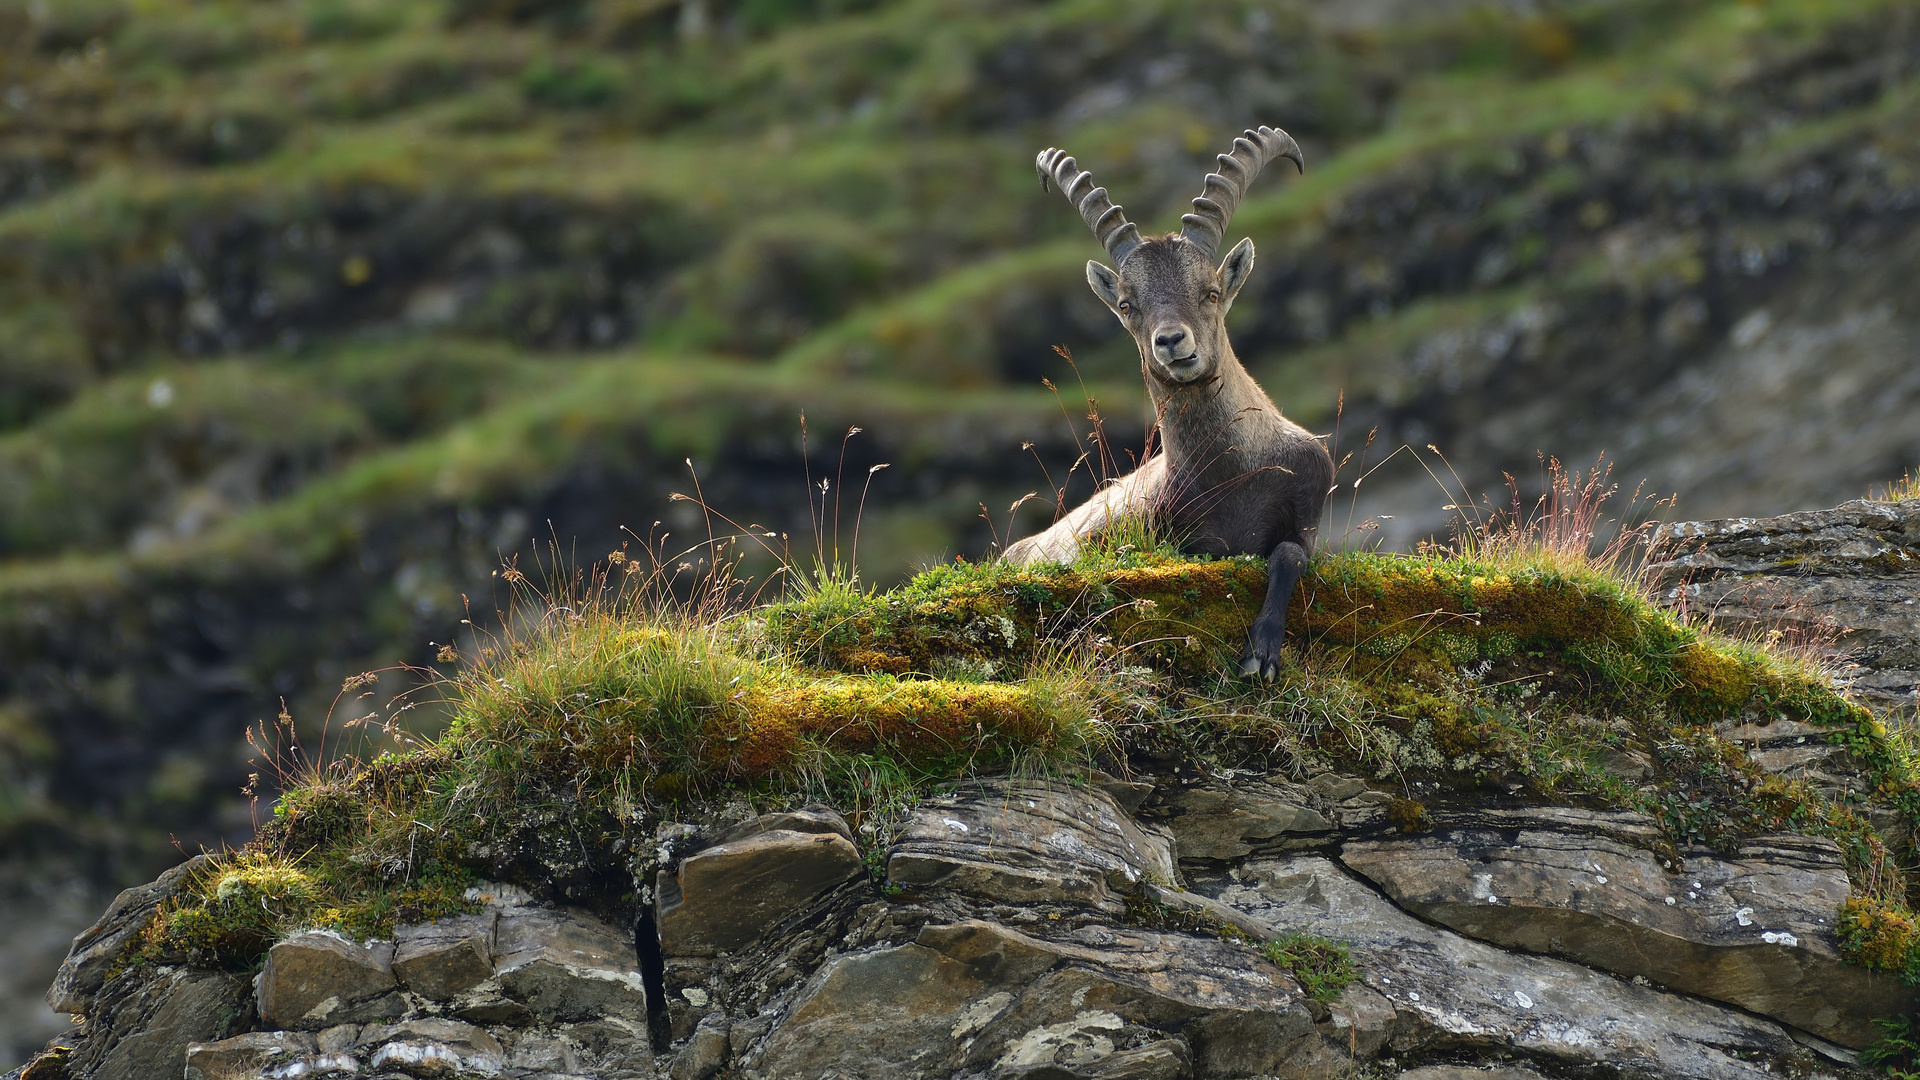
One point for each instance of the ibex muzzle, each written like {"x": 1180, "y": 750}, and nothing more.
{"x": 1234, "y": 476}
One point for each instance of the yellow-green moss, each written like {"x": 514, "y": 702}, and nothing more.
{"x": 602, "y": 700}
{"x": 231, "y": 912}
{"x": 939, "y": 725}
{"x": 234, "y": 909}
{"x": 341, "y": 852}
{"x": 1881, "y": 937}
{"x": 1183, "y": 616}
{"x": 1409, "y": 816}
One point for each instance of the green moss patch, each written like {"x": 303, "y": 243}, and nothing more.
{"x": 1323, "y": 967}
{"x": 1420, "y": 619}
{"x": 1469, "y": 678}
{"x": 1881, "y": 937}
{"x": 351, "y": 854}
{"x": 682, "y": 711}
{"x": 994, "y": 620}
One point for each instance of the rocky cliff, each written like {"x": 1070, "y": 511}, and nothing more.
{"x": 1033, "y": 929}
{"x": 1845, "y": 580}
{"x": 1688, "y": 870}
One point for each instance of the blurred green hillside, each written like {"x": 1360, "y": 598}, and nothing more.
{"x": 310, "y": 310}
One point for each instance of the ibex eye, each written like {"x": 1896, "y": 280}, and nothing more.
{"x": 1126, "y": 308}
{"x": 1213, "y": 296}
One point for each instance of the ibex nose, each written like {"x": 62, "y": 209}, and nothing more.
{"x": 1168, "y": 339}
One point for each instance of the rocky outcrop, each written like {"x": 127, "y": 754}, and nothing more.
{"x": 1030, "y": 842}
{"x": 1036, "y": 929}
{"x": 98, "y": 946}
{"x": 1101, "y": 928}
{"x": 319, "y": 979}
{"x": 1445, "y": 993}
{"x": 1847, "y": 577}
{"x": 1753, "y": 928}
{"x": 723, "y": 897}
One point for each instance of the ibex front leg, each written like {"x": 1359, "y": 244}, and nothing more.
{"x": 1284, "y": 567}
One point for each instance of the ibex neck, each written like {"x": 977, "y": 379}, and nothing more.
{"x": 1200, "y": 421}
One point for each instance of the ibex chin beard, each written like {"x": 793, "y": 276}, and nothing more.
{"x": 1181, "y": 369}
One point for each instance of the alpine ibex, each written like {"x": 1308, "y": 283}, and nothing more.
{"x": 1233, "y": 476}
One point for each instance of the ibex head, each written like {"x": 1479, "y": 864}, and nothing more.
{"x": 1166, "y": 290}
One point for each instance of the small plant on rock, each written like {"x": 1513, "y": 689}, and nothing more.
{"x": 1907, "y": 487}
{"x": 1897, "y": 1052}
{"x": 1323, "y": 967}
{"x": 1879, "y": 936}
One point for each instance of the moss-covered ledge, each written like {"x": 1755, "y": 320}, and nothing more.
{"x": 1452, "y": 680}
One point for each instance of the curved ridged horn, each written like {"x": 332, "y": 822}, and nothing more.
{"x": 1109, "y": 225}
{"x": 1223, "y": 190}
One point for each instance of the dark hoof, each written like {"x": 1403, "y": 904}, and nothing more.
{"x": 1263, "y": 652}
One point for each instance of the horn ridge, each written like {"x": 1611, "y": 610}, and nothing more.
{"x": 1109, "y": 224}
{"x": 1221, "y": 192}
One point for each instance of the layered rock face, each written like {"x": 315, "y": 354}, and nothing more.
{"x": 1846, "y": 581}
{"x": 1849, "y": 576}
{"x": 516, "y": 989}
{"x": 1040, "y": 929}
{"x": 1105, "y": 928}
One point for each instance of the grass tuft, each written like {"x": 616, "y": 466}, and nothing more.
{"x": 1323, "y": 967}
{"x": 1907, "y": 487}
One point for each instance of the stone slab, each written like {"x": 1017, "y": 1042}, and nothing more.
{"x": 432, "y": 1049}
{"x": 975, "y": 995}
{"x": 440, "y": 959}
{"x": 1471, "y": 1072}
{"x": 1753, "y": 928}
{"x": 728, "y": 895}
{"x": 812, "y": 819}
{"x": 316, "y": 978}
{"x": 705, "y": 1052}
{"x": 154, "y": 1018}
{"x": 1855, "y": 568}
{"x": 255, "y": 1054}
{"x": 1215, "y": 821}
{"x": 1454, "y": 994}
{"x": 567, "y": 965}
{"x": 97, "y": 947}
{"x": 1030, "y": 842}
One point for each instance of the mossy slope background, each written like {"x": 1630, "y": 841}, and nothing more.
{"x": 309, "y": 311}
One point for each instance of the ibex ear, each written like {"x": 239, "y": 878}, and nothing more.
{"x": 1235, "y": 269}
{"x": 1106, "y": 284}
